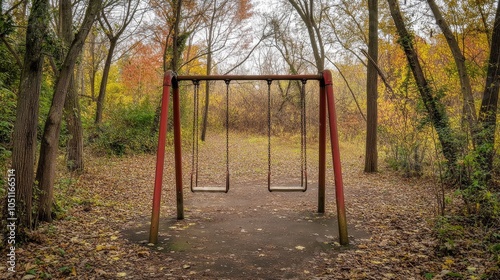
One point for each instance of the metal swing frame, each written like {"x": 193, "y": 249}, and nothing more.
{"x": 326, "y": 103}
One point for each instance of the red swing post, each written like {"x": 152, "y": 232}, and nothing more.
{"x": 327, "y": 101}
{"x": 160, "y": 157}
{"x": 169, "y": 81}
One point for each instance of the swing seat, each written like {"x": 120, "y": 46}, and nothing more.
{"x": 287, "y": 189}
{"x": 210, "y": 189}
{"x": 214, "y": 189}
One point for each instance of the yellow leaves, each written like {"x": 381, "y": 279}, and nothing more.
{"x": 300, "y": 248}
{"x": 448, "y": 262}
{"x": 49, "y": 258}
{"x": 106, "y": 247}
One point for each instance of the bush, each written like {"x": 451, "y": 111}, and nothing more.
{"x": 7, "y": 118}
{"x": 128, "y": 131}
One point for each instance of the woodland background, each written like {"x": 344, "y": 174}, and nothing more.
{"x": 416, "y": 82}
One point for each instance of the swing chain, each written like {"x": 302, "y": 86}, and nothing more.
{"x": 227, "y": 127}
{"x": 303, "y": 133}
{"x": 194, "y": 155}
{"x": 269, "y": 82}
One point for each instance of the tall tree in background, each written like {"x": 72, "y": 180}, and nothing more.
{"x": 469, "y": 108}
{"x": 224, "y": 19}
{"x": 45, "y": 174}
{"x": 25, "y": 127}
{"x": 72, "y": 115}
{"x": 173, "y": 43}
{"x": 371, "y": 155}
{"x": 306, "y": 11}
{"x": 96, "y": 55}
{"x": 113, "y": 28}
{"x": 178, "y": 39}
{"x": 489, "y": 104}
{"x": 434, "y": 108}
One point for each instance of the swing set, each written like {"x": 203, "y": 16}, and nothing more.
{"x": 326, "y": 103}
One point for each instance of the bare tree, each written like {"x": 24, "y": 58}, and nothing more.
{"x": 114, "y": 29}
{"x": 306, "y": 11}
{"x": 72, "y": 115}
{"x": 225, "y": 18}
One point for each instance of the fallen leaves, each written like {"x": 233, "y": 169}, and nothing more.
{"x": 116, "y": 193}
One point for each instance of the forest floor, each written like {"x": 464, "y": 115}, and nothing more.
{"x": 103, "y": 222}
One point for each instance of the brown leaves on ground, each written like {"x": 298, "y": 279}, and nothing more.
{"x": 114, "y": 193}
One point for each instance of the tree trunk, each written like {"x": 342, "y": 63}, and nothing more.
{"x": 371, "y": 155}
{"x": 174, "y": 62}
{"x": 50, "y": 140}
{"x": 468, "y": 99}
{"x": 306, "y": 13}
{"x": 74, "y": 147}
{"x": 25, "y": 127}
{"x": 93, "y": 70}
{"x": 489, "y": 104}
{"x": 74, "y": 150}
{"x": 104, "y": 81}
{"x": 209, "y": 71}
{"x": 434, "y": 110}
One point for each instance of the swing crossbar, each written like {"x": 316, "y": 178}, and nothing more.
{"x": 317, "y": 77}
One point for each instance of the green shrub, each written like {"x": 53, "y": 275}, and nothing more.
{"x": 128, "y": 130}
{"x": 448, "y": 231}
{"x": 7, "y": 118}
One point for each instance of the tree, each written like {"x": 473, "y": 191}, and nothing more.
{"x": 434, "y": 108}
{"x": 225, "y": 17}
{"x": 45, "y": 174}
{"x": 489, "y": 104}
{"x": 74, "y": 150}
{"x": 113, "y": 30}
{"x": 468, "y": 99}
{"x": 306, "y": 11}
{"x": 371, "y": 155}
{"x": 94, "y": 55}
{"x": 25, "y": 127}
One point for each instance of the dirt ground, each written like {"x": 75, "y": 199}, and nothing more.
{"x": 247, "y": 233}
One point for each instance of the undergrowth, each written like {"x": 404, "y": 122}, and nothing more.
{"x": 465, "y": 242}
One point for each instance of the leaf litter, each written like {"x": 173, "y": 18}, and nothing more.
{"x": 86, "y": 242}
